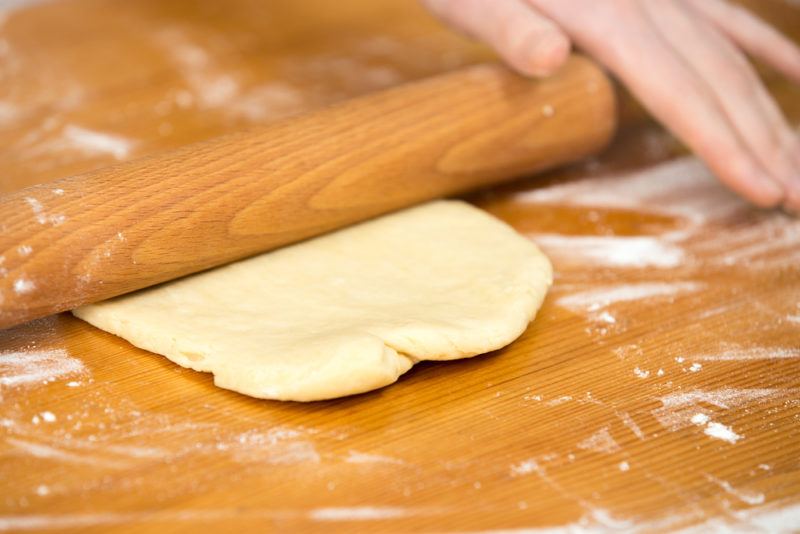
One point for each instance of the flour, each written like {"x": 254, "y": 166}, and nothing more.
{"x": 682, "y": 409}
{"x": 524, "y": 467}
{"x": 24, "y": 250}
{"x": 210, "y": 86}
{"x": 735, "y": 353}
{"x": 39, "y": 213}
{"x": 23, "y": 286}
{"x": 612, "y": 251}
{"x": 362, "y": 513}
{"x": 725, "y": 398}
{"x": 683, "y": 187}
{"x": 601, "y": 441}
{"x": 748, "y": 497}
{"x": 720, "y": 431}
{"x": 602, "y": 297}
{"x": 36, "y": 367}
{"x": 355, "y": 457}
{"x": 53, "y": 453}
{"x": 641, "y": 373}
{"x": 92, "y": 142}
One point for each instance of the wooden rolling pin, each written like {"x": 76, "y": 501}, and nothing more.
{"x": 94, "y": 236}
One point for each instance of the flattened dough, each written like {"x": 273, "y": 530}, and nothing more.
{"x": 347, "y": 312}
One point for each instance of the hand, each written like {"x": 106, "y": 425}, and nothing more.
{"x": 684, "y": 60}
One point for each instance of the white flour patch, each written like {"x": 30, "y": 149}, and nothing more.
{"x": 612, "y": 251}
{"x": 748, "y": 497}
{"x": 601, "y": 441}
{"x": 725, "y": 398}
{"x": 270, "y": 101}
{"x": 363, "y": 513}
{"x": 49, "y": 452}
{"x": 41, "y": 216}
{"x": 624, "y": 466}
{"x": 720, "y": 431}
{"x": 210, "y": 87}
{"x": 683, "y": 409}
{"x": 682, "y": 187}
{"x": 36, "y": 367}
{"x": 628, "y": 421}
{"x": 602, "y": 297}
{"x": 641, "y": 373}
{"x": 699, "y": 419}
{"x": 93, "y": 142}
{"x": 23, "y": 286}
{"x": 774, "y": 519}
{"x": 355, "y": 457}
{"x": 524, "y": 467}
{"x": 559, "y": 400}
{"x": 24, "y": 250}
{"x": 752, "y": 353}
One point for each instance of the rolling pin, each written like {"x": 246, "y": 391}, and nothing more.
{"x": 98, "y": 235}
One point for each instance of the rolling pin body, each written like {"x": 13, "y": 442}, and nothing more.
{"x": 94, "y": 236}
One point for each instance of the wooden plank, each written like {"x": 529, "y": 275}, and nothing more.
{"x": 658, "y": 387}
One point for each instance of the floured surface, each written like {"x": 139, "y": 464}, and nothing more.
{"x": 347, "y": 312}
{"x": 650, "y": 395}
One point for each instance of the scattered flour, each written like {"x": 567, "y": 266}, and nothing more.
{"x": 600, "y": 441}
{"x": 560, "y": 400}
{"x": 355, "y": 457}
{"x": 35, "y": 367}
{"x": 747, "y": 497}
{"x": 612, "y": 251}
{"x": 363, "y": 513}
{"x": 41, "y": 216}
{"x": 752, "y": 353}
{"x": 720, "y": 431}
{"x": 624, "y": 466}
{"x": 682, "y": 409}
{"x": 681, "y": 187}
{"x": 23, "y": 286}
{"x": 524, "y": 467}
{"x": 94, "y": 142}
{"x": 601, "y": 297}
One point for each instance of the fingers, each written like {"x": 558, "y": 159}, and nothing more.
{"x": 736, "y": 87}
{"x": 672, "y": 90}
{"x": 753, "y": 35}
{"x": 525, "y": 39}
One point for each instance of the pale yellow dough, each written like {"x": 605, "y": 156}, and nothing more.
{"x": 347, "y": 312}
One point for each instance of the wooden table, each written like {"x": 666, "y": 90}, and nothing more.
{"x": 658, "y": 389}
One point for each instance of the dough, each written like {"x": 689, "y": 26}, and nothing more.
{"x": 346, "y": 312}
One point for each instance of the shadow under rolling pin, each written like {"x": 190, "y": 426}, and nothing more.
{"x": 150, "y": 220}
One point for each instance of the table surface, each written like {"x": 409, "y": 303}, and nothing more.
{"x": 658, "y": 388}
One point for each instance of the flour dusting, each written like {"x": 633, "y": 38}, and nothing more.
{"x": 750, "y": 353}
{"x": 36, "y": 367}
{"x": 720, "y": 431}
{"x": 23, "y": 286}
{"x": 612, "y": 251}
{"x": 748, "y": 497}
{"x": 600, "y": 441}
{"x": 601, "y": 297}
{"x": 355, "y": 457}
{"x": 361, "y": 513}
{"x": 94, "y": 142}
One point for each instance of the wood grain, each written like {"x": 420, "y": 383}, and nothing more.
{"x": 581, "y": 425}
{"x": 224, "y": 199}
